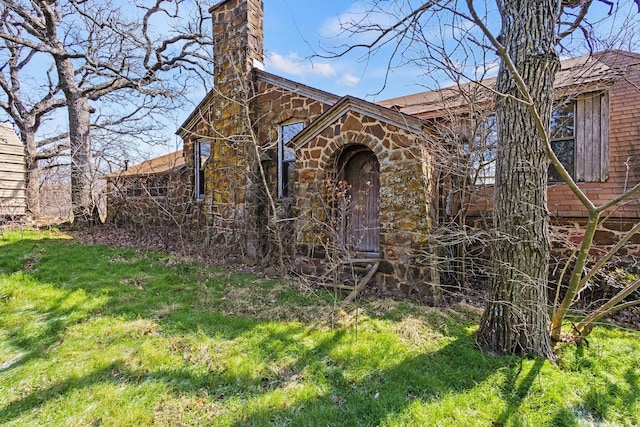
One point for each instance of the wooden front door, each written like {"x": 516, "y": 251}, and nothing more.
{"x": 362, "y": 173}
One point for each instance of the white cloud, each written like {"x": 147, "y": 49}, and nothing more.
{"x": 294, "y": 65}
{"x": 349, "y": 80}
{"x": 489, "y": 69}
{"x": 356, "y": 24}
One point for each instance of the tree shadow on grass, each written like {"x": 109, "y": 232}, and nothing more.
{"x": 49, "y": 314}
{"x": 344, "y": 398}
{"x": 55, "y": 317}
{"x": 517, "y": 394}
{"x": 603, "y": 395}
{"x": 40, "y": 397}
{"x": 143, "y": 289}
{"x": 342, "y": 402}
{"x": 382, "y": 393}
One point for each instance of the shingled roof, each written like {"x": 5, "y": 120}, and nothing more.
{"x": 586, "y": 72}
{"x": 157, "y": 166}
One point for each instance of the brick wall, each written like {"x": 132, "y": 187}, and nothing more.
{"x": 624, "y": 155}
{"x": 624, "y": 149}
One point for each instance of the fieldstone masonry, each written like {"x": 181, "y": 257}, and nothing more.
{"x": 405, "y": 196}
{"x": 241, "y": 118}
{"x": 566, "y": 236}
{"x": 241, "y": 212}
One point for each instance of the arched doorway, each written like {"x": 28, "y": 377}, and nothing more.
{"x": 361, "y": 170}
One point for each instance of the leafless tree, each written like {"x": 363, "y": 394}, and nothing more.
{"x": 460, "y": 39}
{"x": 95, "y": 50}
{"x": 24, "y": 109}
{"x": 32, "y": 101}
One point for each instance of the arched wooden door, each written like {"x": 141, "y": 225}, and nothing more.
{"x": 362, "y": 173}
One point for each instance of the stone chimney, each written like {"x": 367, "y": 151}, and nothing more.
{"x": 238, "y": 39}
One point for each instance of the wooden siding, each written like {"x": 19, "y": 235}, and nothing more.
{"x": 592, "y": 137}
{"x": 12, "y": 173}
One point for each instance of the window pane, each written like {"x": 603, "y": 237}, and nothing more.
{"x": 205, "y": 152}
{"x": 563, "y": 121}
{"x": 483, "y": 152}
{"x": 562, "y": 129}
{"x": 287, "y": 134}
{"x": 291, "y": 130}
{"x": 564, "y": 149}
{"x": 288, "y": 154}
{"x": 489, "y": 133}
{"x": 286, "y": 157}
{"x": 287, "y": 175}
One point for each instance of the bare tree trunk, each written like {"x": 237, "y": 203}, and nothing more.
{"x": 33, "y": 172}
{"x": 516, "y": 318}
{"x": 80, "y": 144}
{"x": 79, "y": 126}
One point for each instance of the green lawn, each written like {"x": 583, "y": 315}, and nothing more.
{"x": 92, "y": 335}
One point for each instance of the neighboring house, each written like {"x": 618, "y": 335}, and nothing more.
{"x": 595, "y": 132}
{"x": 595, "y": 127}
{"x": 13, "y": 198}
{"x": 273, "y": 166}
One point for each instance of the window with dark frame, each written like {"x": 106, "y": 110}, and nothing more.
{"x": 563, "y": 139}
{"x": 202, "y": 151}
{"x": 286, "y": 157}
{"x": 158, "y": 186}
{"x": 134, "y": 189}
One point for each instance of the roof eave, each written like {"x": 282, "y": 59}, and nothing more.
{"x": 349, "y": 103}
{"x": 299, "y": 88}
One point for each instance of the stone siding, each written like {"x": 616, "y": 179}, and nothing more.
{"x": 566, "y": 235}
{"x": 231, "y": 207}
{"x": 152, "y": 201}
{"x": 406, "y": 187}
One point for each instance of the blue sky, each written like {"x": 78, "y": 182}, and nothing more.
{"x": 295, "y": 30}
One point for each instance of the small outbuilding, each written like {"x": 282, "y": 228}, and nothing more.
{"x": 13, "y": 196}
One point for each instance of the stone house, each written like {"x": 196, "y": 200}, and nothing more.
{"x": 276, "y": 170}
{"x": 277, "y": 163}
{"x": 13, "y": 197}
{"x": 152, "y": 193}
{"x": 279, "y": 169}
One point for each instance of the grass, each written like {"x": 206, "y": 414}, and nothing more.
{"x": 92, "y": 335}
